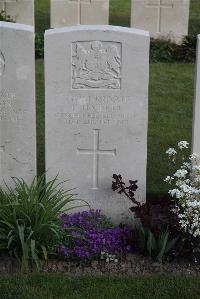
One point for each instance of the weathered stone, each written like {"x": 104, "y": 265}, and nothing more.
{"x": 17, "y": 102}
{"x": 96, "y": 111}
{"x": 165, "y": 19}
{"x": 75, "y": 12}
{"x": 20, "y": 11}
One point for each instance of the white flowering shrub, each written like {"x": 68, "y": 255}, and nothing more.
{"x": 108, "y": 257}
{"x": 185, "y": 188}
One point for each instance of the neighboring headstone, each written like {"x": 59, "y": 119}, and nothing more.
{"x": 96, "y": 111}
{"x": 165, "y": 19}
{"x": 75, "y": 12}
{"x": 17, "y": 102}
{"x": 20, "y": 11}
{"x": 196, "y": 110}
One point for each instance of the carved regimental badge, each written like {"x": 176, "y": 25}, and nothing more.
{"x": 2, "y": 64}
{"x": 96, "y": 65}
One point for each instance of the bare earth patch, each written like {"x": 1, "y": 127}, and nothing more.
{"x": 133, "y": 265}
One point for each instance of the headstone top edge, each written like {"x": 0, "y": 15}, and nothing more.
{"x": 16, "y": 26}
{"x": 97, "y": 28}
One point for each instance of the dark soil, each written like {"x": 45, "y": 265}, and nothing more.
{"x": 133, "y": 265}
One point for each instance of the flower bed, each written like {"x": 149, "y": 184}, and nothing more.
{"x": 90, "y": 235}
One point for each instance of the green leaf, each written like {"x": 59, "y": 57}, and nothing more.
{"x": 171, "y": 244}
{"x": 29, "y": 217}
{"x": 45, "y": 254}
{"x": 151, "y": 243}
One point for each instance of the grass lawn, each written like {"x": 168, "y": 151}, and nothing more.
{"x": 170, "y": 118}
{"x": 61, "y": 286}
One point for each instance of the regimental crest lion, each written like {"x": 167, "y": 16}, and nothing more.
{"x": 96, "y": 65}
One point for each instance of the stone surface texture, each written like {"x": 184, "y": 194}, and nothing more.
{"x": 96, "y": 111}
{"x": 165, "y": 19}
{"x": 196, "y": 109}
{"x": 20, "y": 11}
{"x": 75, "y": 12}
{"x": 17, "y": 102}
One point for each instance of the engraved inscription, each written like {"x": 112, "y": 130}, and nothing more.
{"x": 96, "y": 65}
{"x": 2, "y": 64}
{"x": 97, "y": 110}
{"x": 96, "y": 152}
{"x": 8, "y": 110}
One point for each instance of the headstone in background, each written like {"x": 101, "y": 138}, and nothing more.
{"x": 96, "y": 111}
{"x": 17, "y": 102}
{"x": 74, "y": 12}
{"x": 196, "y": 110}
{"x": 20, "y": 11}
{"x": 164, "y": 19}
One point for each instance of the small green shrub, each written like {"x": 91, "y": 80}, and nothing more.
{"x": 4, "y": 17}
{"x": 39, "y": 45}
{"x": 186, "y": 52}
{"x": 156, "y": 247}
{"x": 152, "y": 222}
{"x": 165, "y": 51}
{"x": 161, "y": 51}
{"x": 30, "y": 226}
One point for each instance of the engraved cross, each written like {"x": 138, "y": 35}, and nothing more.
{"x": 160, "y": 5}
{"x": 96, "y": 152}
{"x": 79, "y": 8}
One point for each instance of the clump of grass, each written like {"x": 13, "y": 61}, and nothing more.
{"x": 30, "y": 226}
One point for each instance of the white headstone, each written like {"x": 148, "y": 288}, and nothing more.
{"x": 96, "y": 111}
{"x": 74, "y": 12}
{"x": 20, "y": 11}
{"x": 196, "y": 110}
{"x": 165, "y": 19}
{"x": 17, "y": 102}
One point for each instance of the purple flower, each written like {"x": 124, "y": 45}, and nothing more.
{"x": 92, "y": 233}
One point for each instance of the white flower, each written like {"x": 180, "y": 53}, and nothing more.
{"x": 194, "y": 157}
{"x": 168, "y": 179}
{"x": 171, "y": 152}
{"x": 196, "y": 167}
{"x": 186, "y": 194}
{"x": 183, "y": 144}
{"x": 116, "y": 260}
{"x": 186, "y": 165}
{"x": 176, "y": 193}
{"x": 180, "y": 173}
{"x": 188, "y": 190}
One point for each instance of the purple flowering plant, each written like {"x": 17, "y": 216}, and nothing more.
{"x": 89, "y": 233}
